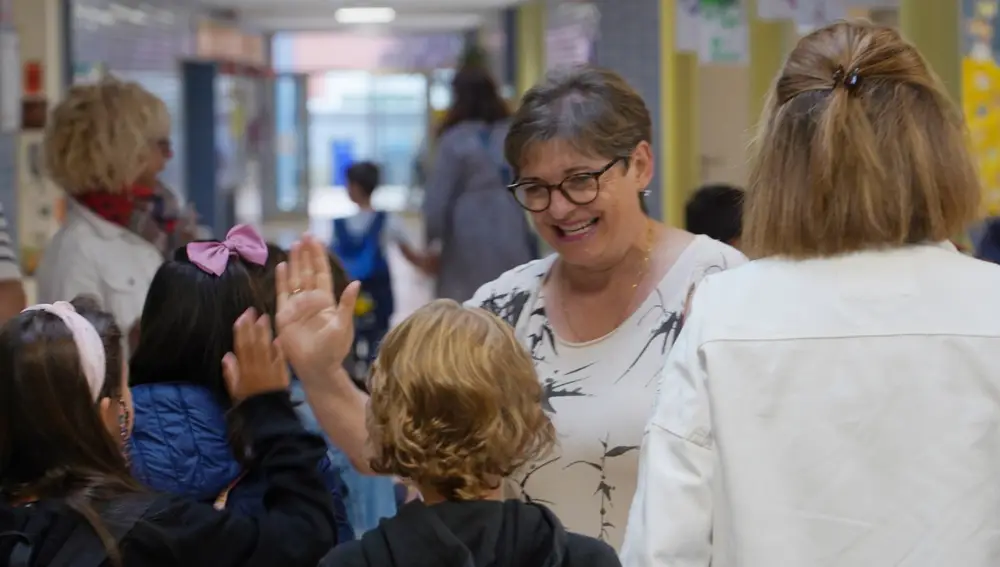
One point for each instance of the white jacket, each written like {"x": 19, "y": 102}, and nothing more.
{"x": 839, "y": 412}
{"x": 91, "y": 256}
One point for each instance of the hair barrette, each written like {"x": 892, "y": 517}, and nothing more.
{"x": 849, "y": 80}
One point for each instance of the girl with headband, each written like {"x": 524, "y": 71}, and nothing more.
{"x": 183, "y": 441}
{"x": 66, "y": 495}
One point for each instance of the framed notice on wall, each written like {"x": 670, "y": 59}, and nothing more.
{"x": 10, "y": 81}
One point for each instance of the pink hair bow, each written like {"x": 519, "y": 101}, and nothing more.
{"x": 242, "y": 240}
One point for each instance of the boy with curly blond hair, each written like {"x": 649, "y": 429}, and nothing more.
{"x": 456, "y": 409}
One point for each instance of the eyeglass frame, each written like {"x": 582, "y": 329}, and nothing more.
{"x": 595, "y": 175}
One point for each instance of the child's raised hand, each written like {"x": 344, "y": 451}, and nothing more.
{"x": 256, "y": 366}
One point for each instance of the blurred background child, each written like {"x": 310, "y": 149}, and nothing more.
{"x": 361, "y": 242}
{"x": 717, "y": 212}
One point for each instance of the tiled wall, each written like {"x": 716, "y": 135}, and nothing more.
{"x": 143, "y": 42}
{"x": 628, "y": 41}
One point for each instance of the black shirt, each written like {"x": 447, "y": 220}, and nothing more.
{"x": 296, "y": 528}
{"x": 472, "y": 534}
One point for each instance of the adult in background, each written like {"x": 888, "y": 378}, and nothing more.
{"x": 716, "y": 210}
{"x": 105, "y": 145}
{"x": 837, "y": 401}
{"x": 479, "y": 230}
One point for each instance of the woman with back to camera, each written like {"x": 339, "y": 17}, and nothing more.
{"x": 105, "y": 146}
{"x": 597, "y": 317}
{"x": 837, "y": 402}
{"x": 479, "y": 231}
{"x": 66, "y": 496}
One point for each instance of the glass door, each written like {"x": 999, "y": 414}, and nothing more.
{"x": 287, "y": 198}
{"x": 364, "y": 116}
{"x": 399, "y": 128}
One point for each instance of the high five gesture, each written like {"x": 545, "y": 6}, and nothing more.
{"x": 315, "y": 331}
{"x": 256, "y": 365}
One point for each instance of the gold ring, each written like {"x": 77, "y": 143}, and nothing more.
{"x": 296, "y": 290}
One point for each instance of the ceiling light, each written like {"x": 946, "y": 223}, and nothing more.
{"x": 365, "y": 15}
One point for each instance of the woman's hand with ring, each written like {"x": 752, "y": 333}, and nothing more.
{"x": 315, "y": 331}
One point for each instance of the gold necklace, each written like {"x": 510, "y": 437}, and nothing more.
{"x": 635, "y": 287}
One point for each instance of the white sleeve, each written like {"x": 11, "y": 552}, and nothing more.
{"x": 723, "y": 257}
{"x": 395, "y": 231}
{"x": 670, "y": 521}
{"x": 478, "y": 299}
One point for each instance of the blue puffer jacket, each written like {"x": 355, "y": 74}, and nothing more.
{"x": 179, "y": 446}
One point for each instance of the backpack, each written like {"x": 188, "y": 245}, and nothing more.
{"x": 83, "y": 548}
{"x": 361, "y": 254}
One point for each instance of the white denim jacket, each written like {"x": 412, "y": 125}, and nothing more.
{"x": 840, "y": 412}
{"x": 92, "y": 256}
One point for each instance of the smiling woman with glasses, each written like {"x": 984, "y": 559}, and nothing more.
{"x": 579, "y": 188}
{"x": 600, "y": 313}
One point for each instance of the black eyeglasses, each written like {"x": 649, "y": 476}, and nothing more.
{"x": 580, "y": 189}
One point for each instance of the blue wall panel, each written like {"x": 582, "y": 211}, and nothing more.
{"x": 200, "y": 170}
{"x": 628, "y": 42}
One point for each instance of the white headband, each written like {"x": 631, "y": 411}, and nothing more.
{"x": 88, "y": 342}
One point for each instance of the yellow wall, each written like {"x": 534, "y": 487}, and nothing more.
{"x": 680, "y": 156}
{"x": 934, "y": 26}
{"x": 530, "y": 45}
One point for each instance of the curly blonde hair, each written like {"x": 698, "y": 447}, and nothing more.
{"x": 101, "y": 136}
{"x": 455, "y": 402}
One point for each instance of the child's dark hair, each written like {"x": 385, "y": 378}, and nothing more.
{"x": 187, "y": 321}
{"x": 54, "y": 443}
{"x": 716, "y": 211}
{"x": 365, "y": 175}
{"x": 112, "y": 337}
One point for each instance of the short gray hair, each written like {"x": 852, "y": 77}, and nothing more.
{"x": 592, "y": 109}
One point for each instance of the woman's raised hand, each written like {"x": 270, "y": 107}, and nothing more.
{"x": 315, "y": 331}
{"x": 256, "y": 365}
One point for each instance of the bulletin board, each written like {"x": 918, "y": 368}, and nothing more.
{"x": 981, "y": 95}
{"x": 981, "y": 104}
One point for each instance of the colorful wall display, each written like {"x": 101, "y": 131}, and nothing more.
{"x": 722, "y": 35}
{"x": 981, "y": 94}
